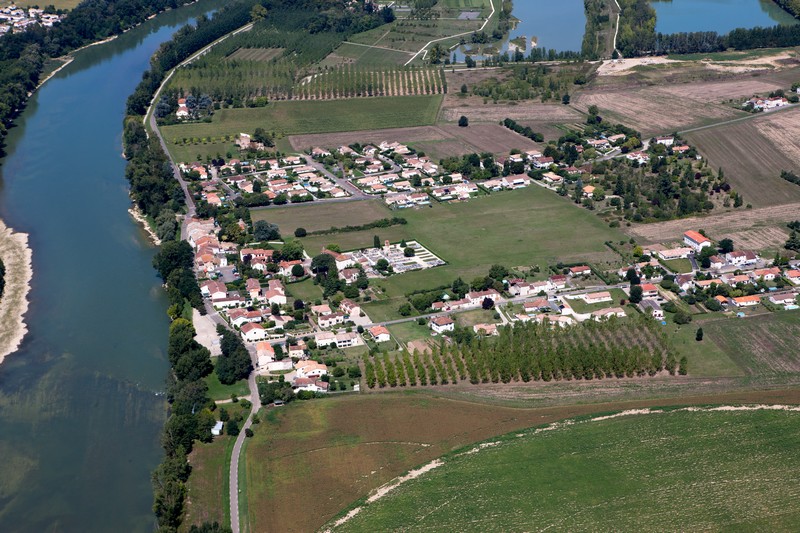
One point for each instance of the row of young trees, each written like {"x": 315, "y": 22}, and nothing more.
{"x": 525, "y": 352}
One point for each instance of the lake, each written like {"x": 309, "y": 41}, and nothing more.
{"x": 557, "y": 25}
{"x": 721, "y": 16}
{"x": 81, "y": 404}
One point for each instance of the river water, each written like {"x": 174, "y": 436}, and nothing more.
{"x": 721, "y": 16}
{"x": 80, "y": 410}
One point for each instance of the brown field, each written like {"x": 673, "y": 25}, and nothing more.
{"x": 256, "y": 54}
{"x": 324, "y": 455}
{"x": 436, "y": 141}
{"x": 207, "y": 489}
{"x": 767, "y": 223}
{"x": 753, "y": 153}
{"x": 476, "y": 111}
{"x": 720, "y": 91}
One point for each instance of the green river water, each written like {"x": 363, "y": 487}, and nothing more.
{"x": 80, "y": 403}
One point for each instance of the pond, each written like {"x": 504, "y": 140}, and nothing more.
{"x": 721, "y": 16}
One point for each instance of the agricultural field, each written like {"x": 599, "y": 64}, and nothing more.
{"x": 754, "y": 229}
{"x": 532, "y": 352}
{"x": 207, "y": 495}
{"x": 753, "y": 153}
{"x": 761, "y": 345}
{"x": 365, "y": 56}
{"x": 323, "y": 216}
{"x": 515, "y": 228}
{"x": 290, "y": 117}
{"x": 474, "y": 108}
{"x": 256, "y": 54}
{"x": 652, "y": 470}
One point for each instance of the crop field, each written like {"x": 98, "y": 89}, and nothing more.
{"x": 651, "y": 470}
{"x": 256, "y": 54}
{"x": 366, "y": 55}
{"x": 412, "y": 35}
{"x": 207, "y": 498}
{"x": 765, "y": 344}
{"x": 356, "y": 81}
{"x": 753, "y": 153}
{"x": 756, "y": 229}
{"x": 515, "y": 228}
{"x": 323, "y": 216}
{"x": 314, "y": 117}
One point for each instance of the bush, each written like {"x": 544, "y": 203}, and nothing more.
{"x": 463, "y": 121}
{"x": 682, "y": 317}
{"x": 300, "y": 232}
{"x": 248, "y": 432}
{"x": 232, "y": 428}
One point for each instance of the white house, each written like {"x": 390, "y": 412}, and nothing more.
{"x": 477, "y": 297}
{"x": 783, "y": 298}
{"x": 380, "y": 334}
{"x": 252, "y": 332}
{"x": 215, "y": 290}
{"x": 652, "y": 307}
{"x": 695, "y": 240}
{"x": 666, "y": 141}
{"x": 310, "y": 369}
{"x": 440, "y": 324}
{"x": 597, "y": 297}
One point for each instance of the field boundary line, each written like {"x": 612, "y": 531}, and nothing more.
{"x": 423, "y": 49}
{"x": 741, "y": 119}
{"x": 378, "y": 47}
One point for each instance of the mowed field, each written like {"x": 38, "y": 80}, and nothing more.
{"x": 290, "y": 117}
{"x": 753, "y": 153}
{"x": 761, "y": 345}
{"x": 755, "y": 229}
{"x": 514, "y": 228}
{"x": 323, "y": 216}
{"x": 365, "y": 55}
{"x": 436, "y": 141}
{"x": 678, "y": 470}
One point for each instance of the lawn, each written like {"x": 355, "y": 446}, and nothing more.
{"x": 207, "y": 489}
{"x": 520, "y": 228}
{"x": 304, "y": 290}
{"x": 582, "y": 307}
{"x": 706, "y": 358}
{"x": 467, "y": 319}
{"x": 679, "y": 266}
{"x": 406, "y": 332}
{"x": 298, "y": 117}
{"x": 218, "y": 391}
{"x": 322, "y": 216}
{"x": 676, "y": 470}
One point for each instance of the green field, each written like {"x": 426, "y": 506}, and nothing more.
{"x": 366, "y": 56}
{"x": 706, "y": 358}
{"x": 670, "y": 471}
{"x": 322, "y": 216}
{"x": 582, "y": 307}
{"x": 520, "y": 228}
{"x": 218, "y": 391}
{"x": 298, "y": 117}
{"x": 679, "y": 266}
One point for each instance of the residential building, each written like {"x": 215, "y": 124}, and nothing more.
{"x": 310, "y": 369}
{"x": 488, "y": 330}
{"x": 696, "y": 240}
{"x": 653, "y": 308}
{"x": 597, "y": 297}
{"x": 380, "y": 334}
{"x": 746, "y": 301}
{"x": 442, "y": 324}
{"x": 253, "y": 332}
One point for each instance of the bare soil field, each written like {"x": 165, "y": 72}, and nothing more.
{"x": 657, "y": 110}
{"x": 476, "y": 111}
{"x": 753, "y": 153}
{"x": 719, "y": 91}
{"x": 741, "y": 221}
{"x": 436, "y": 141}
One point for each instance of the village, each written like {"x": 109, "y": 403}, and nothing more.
{"x": 17, "y": 19}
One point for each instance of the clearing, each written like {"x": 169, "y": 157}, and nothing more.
{"x": 641, "y": 470}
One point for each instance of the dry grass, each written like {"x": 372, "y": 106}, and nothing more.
{"x": 491, "y": 138}
{"x": 333, "y": 140}
{"x": 767, "y": 223}
{"x": 474, "y": 108}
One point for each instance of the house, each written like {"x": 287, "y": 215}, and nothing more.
{"x": 488, "y": 330}
{"x": 321, "y": 310}
{"x": 605, "y": 314}
{"x": 674, "y": 253}
{"x": 477, "y": 297}
{"x": 741, "y": 257}
{"x": 696, "y": 240}
{"x": 746, "y": 301}
{"x": 640, "y": 157}
{"x": 767, "y": 274}
{"x": 783, "y": 298}
{"x": 543, "y": 162}
{"x": 340, "y": 340}
{"x": 597, "y": 297}
{"x": 310, "y": 369}
{"x": 253, "y": 332}
{"x": 349, "y": 307}
{"x": 685, "y": 281}
{"x": 215, "y": 290}
{"x": 716, "y": 262}
{"x": 540, "y": 304}
{"x": 253, "y": 288}
{"x": 653, "y": 308}
{"x": 582, "y": 270}
{"x": 285, "y": 267}
{"x": 342, "y": 261}
{"x": 706, "y": 283}
{"x": 349, "y": 275}
{"x": 297, "y": 351}
{"x": 588, "y": 191}
{"x": 380, "y": 334}
{"x": 552, "y": 178}
{"x": 735, "y": 279}
{"x": 666, "y": 141}
{"x": 649, "y": 290}
{"x": 309, "y": 385}
{"x": 330, "y": 320}
{"x": 251, "y": 254}
{"x": 793, "y": 276}
{"x": 440, "y": 324}
{"x": 599, "y": 144}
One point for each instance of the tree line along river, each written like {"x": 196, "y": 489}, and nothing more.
{"x": 80, "y": 404}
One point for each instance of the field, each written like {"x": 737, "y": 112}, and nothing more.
{"x": 58, "y": 4}
{"x": 323, "y": 216}
{"x": 218, "y": 391}
{"x": 290, "y": 117}
{"x": 753, "y": 153}
{"x": 474, "y": 108}
{"x": 761, "y": 345}
{"x": 661, "y": 470}
{"x": 679, "y": 266}
{"x": 207, "y": 498}
{"x": 436, "y": 141}
{"x": 755, "y": 229}
{"x": 514, "y": 228}
{"x": 256, "y": 54}
{"x": 366, "y": 55}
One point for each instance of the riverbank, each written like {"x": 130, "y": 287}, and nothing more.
{"x": 139, "y": 217}
{"x": 17, "y": 257}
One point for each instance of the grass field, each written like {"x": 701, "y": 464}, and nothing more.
{"x": 322, "y": 216}
{"x": 581, "y": 306}
{"x": 707, "y": 358}
{"x": 207, "y": 489}
{"x": 366, "y": 56}
{"x": 299, "y": 117}
{"x": 679, "y": 266}
{"x": 515, "y": 228}
{"x": 671, "y": 470}
{"x": 762, "y": 345}
{"x": 218, "y": 391}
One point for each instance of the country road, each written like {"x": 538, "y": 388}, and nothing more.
{"x": 741, "y": 119}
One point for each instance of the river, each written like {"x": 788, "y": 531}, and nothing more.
{"x": 80, "y": 403}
